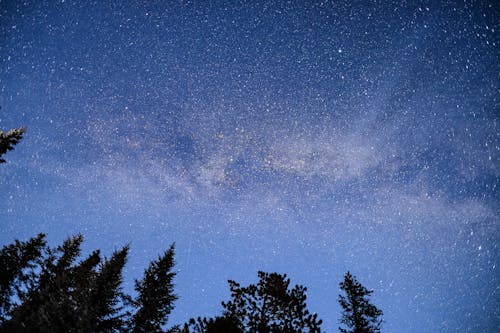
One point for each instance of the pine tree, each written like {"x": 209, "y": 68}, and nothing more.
{"x": 45, "y": 289}
{"x": 155, "y": 298}
{"x": 9, "y": 140}
{"x": 84, "y": 280}
{"x": 359, "y": 315}
{"x": 98, "y": 294}
{"x": 69, "y": 297}
{"x": 47, "y": 304}
{"x": 17, "y": 264}
{"x": 270, "y": 306}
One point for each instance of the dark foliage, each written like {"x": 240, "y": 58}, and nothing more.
{"x": 155, "y": 295}
{"x": 103, "y": 297}
{"x": 9, "y": 140}
{"x": 44, "y": 289}
{"x": 69, "y": 297}
{"x": 268, "y": 307}
{"x": 17, "y": 264}
{"x": 213, "y": 325}
{"x": 359, "y": 315}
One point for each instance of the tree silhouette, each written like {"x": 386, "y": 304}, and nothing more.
{"x": 104, "y": 297}
{"x": 213, "y": 325}
{"x": 359, "y": 315}
{"x": 155, "y": 295}
{"x": 45, "y": 289}
{"x": 69, "y": 297}
{"x": 270, "y": 306}
{"x": 9, "y": 140}
{"x": 17, "y": 264}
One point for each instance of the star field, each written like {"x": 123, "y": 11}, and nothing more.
{"x": 304, "y": 137}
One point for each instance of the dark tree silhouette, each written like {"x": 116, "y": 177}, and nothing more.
{"x": 69, "y": 297}
{"x": 9, "y": 140}
{"x": 155, "y": 295}
{"x": 359, "y": 315}
{"x": 45, "y": 289}
{"x": 103, "y": 298}
{"x": 270, "y": 306}
{"x": 17, "y": 264}
{"x": 213, "y": 325}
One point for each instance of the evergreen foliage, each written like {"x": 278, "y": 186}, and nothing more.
{"x": 44, "y": 289}
{"x": 359, "y": 315}
{"x": 155, "y": 295}
{"x": 104, "y": 295}
{"x": 268, "y": 307}
{"x": 69, "y": 297}
{"x": 17, "y": 263}
{"x": 9, "y": 139}
{"x": 213, "y": 325}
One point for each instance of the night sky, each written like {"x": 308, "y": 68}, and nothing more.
{"x": 299, "y": 137}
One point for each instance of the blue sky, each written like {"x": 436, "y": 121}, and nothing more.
{"x": 308, "y": 138}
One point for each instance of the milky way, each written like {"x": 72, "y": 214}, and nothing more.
{"x": 308, "y": 138}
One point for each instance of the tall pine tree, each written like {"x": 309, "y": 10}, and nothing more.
{"x": 65, "y": 296}
{"x": 359, "y": 315}
{"x": 101, "y": 301}
{"x": 18, "y": 263}
{"x": 45, "y": 289}
{"x": 155, "y": 299}
{"x": 47, "y": 304}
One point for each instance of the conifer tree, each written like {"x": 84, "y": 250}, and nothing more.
{"x": 99, "y": 295}
{"x": 155, "y": 298}
{"x": 46, "y": 306}
{"x": 69, "y": 297}
{"x": 270, "y": 306}
{"x": 17, "y": 264}
{"x": 9, "y": 139}
{"x": 359, "y": 315}
{"x": 54, "y": 293}
{"x": 84, "y": 280}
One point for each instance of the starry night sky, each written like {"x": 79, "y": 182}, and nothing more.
{"x": 303, "y": 137}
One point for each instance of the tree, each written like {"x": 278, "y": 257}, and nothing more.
{"x": 9, "y": 140}
{"x": 69, "y": 297}
{"x": 45, "y": 289}
{"x": 100, "y": 300}
{"x": 270, "y": 306}
{"x": 45, "y": 305}
{"x": 359, "y": 315}
{"x": 155, "y": 295}
{"x": 17, "y": 264}
{"x": 58, "y": 295}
